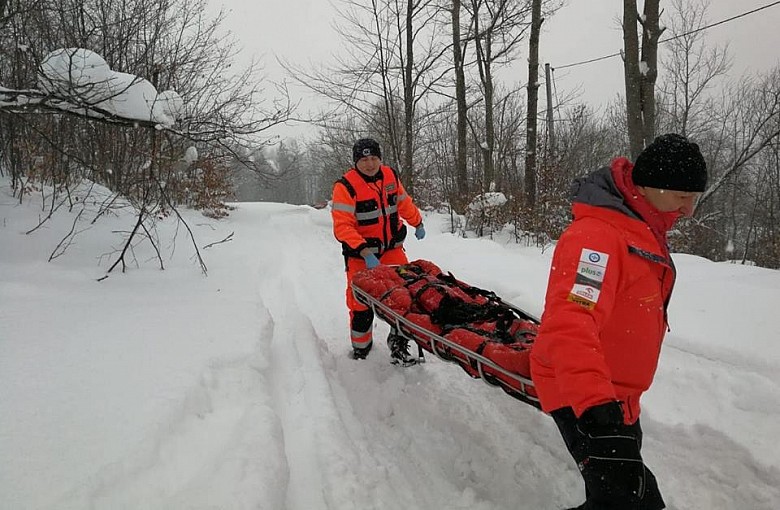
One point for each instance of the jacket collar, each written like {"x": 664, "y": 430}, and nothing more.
{"x": 612, "y": 188}
{"x": 374, "y": 178}
{"x": 659, "y": 222}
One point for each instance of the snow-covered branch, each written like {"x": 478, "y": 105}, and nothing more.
{"x": 78, "y": 82}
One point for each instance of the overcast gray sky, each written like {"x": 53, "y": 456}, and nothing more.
{"x": 301, "y": 31}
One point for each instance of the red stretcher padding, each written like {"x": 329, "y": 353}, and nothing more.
{"x": 444, "y": 306}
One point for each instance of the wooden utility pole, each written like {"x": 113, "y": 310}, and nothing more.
{"x": 550, "y": 119}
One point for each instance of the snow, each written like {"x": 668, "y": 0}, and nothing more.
{"x": 168, "y": 105}
{"x": 75, "y": 71}
{"x": 487, "y": 200}
{"x": 172, "y": 390}
{"x": 137, "y": 100}
{"x": 84, "y": 76}
{"x": 191, "y": 155}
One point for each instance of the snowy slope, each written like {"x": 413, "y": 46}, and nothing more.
{"x": 170, "y": 390}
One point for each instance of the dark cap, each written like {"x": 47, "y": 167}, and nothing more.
{"x": 671, "y": 162}
{"x": 365, "y": 147}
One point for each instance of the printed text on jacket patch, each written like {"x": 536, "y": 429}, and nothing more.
{"x": 591, "y": 270}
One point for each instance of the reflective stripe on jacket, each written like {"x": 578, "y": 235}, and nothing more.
{"x": 367, "y": 212}
{"x": 605, "y": 310}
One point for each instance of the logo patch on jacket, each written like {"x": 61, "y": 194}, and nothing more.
{"x": 390, "y": 187}
{"x": 591, "y": 270}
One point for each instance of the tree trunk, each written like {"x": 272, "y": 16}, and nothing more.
{"x": 632, "y": 77}
{"x": 533, "y": 106}
{"x": 408, "y": 163}
{"x": 640, "y": 75}
{"x": 490, "y": 129}
{"x": 651, "y": 33}
{"x": 461, "y": 177}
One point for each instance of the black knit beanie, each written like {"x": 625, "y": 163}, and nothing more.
{"x": 671, "y": 162}
{"x": 365, "y": 147}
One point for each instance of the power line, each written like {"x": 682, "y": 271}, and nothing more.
{"x": 706, "y": 27}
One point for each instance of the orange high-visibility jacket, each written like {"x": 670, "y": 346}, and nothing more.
{"x": 605, "y": 312}
{"x": 367, "y": 212}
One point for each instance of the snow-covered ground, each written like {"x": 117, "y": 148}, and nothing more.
{"x": 170, "y": 390}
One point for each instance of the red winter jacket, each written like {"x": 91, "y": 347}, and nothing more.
{"x": 605, "y": 311}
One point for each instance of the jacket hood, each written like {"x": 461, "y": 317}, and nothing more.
{"x": 612, "y": 188}
{"x": 599, "y": 189}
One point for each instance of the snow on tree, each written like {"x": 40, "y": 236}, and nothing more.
{"x": 191, "y": 155}
{"x": 487, "y": 201}
{"x": 79, "y": 81}
{"x": 75, "y": 73}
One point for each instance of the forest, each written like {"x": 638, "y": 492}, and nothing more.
{"x": 426, "y": 78}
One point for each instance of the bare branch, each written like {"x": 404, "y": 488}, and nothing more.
{"x": 225, "y": 240}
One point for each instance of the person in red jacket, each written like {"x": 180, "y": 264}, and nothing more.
{"x": 605, "y": 317}
{"x": 369, "y": 204}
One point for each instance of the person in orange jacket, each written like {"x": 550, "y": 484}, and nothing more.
{"x": 605, "y": 315}
{"x": 369, "y": 204}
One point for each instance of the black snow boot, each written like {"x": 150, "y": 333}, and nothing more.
{"x": 399, "y": 349}
{"x": 361, "y": 352}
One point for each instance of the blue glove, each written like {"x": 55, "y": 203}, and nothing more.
{"x": 371, "y": 261}
{"x": 419, "y": 232}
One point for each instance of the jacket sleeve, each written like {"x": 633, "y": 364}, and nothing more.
{"x": 406, "y": 207}
{"x": 344, "y": 220}
{"x": 580, "y": 298}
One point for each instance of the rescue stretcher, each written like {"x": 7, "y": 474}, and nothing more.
{"x": 508, "y": 368}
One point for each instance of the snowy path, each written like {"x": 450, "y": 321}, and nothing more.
{"x": 236, "y": 392}
{"x": 429, "y": 436}
{"x": 364, "y": 431}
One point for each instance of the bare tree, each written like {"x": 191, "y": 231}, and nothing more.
{"x": 732, "y": 214}
{"x": 753, "y": 110}
{"x": 171, "y": 43}
{"x": 691, "y": 70}
{"x": 392, "y": 63}
{"x": 498, "y": 27}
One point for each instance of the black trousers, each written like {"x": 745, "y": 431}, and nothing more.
{"x": 609, "y": 460}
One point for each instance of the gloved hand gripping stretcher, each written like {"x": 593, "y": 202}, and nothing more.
{"x": 489, "y": 338}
